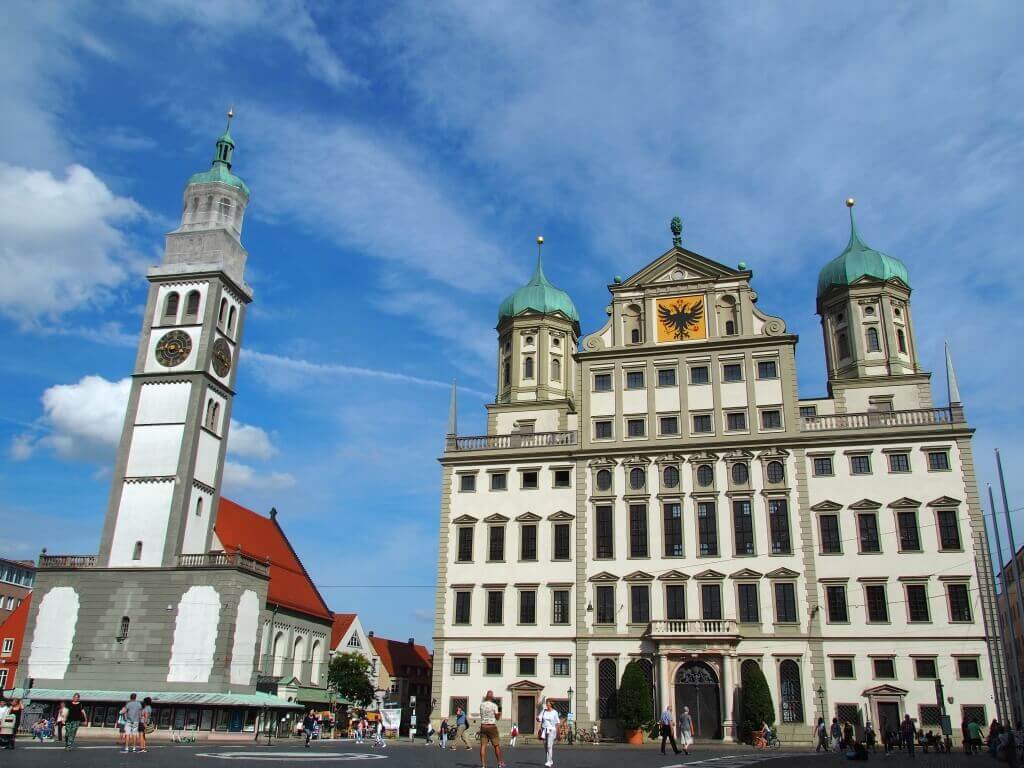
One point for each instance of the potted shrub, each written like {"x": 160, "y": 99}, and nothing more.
{"x": 756, "y": 699}
{"x": 634, "y": 700}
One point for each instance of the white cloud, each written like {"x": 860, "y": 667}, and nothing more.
{"x": 61, "y": 248}
{"x": 22, "y": 447}
{"x": 250, "y": 442}
{"x": 241, "y": 476}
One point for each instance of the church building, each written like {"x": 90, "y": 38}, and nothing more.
{"x": 659, "y": 491}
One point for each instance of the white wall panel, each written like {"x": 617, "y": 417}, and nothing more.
{"x": 141, "y": 516}
{"x": 206, "y": 458}
{"x": 54, "y": 634}
{"x": 195, "y": 636}
{"x": 154, "y": 451}
{"x": 163, "y": 403}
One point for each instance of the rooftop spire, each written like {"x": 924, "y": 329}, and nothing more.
{"x": 538, "y": 273}
{"x": 952, "y": 388}
{"x": 453, "y": 410}
{"x": 854, "y": 234}
{"x": 225, "y": 144}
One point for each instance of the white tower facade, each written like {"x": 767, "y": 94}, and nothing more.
{"x": 170, "y": 461}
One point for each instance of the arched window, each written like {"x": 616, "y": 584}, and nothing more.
{"x": 209, "y": 202}
{"x": 634, "y": 336}
{"x": 792, "y": 700}
{"x": 775, "y": 472}
{"x": 705, "y": 475}
{"x": 843, "y": 346}
{"x": 671, "y": 477}
{"x": 199, "y": 507}
{"x": 137, "y": 552}
{"x": 730, "y": 327}
{"x": 607, "y": 683}
{"x": 528, "y": 368}
{"x": 637, "y": 478}
{"x": 171, "y": 306}
{"x": 277, "y": 654}
{"x": 633, "y": 322}
{"x": 298, "y": 656}
{"x": 192, "y": 306}
{"x": 314, "y": 669}
{"x": 122, "y": 633}
{"x": 231, "y": 320}
{"x": 211, "y": 414}
{"x": 872, "y": 339}
{"x": 740, "y": 473}
{"x": 223, "y": 311}
{"x": 556, "y": 369}
{"x": 901, "y": 340}
{"x": 225, "y": 208}
{"x": 195, "y": 204}
{"x": 604, "y": 480}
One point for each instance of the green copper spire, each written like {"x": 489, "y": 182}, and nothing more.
{"x": 220, "y": 170}
{"x": 538, "y": 295}
{"x": 859, "y": 260}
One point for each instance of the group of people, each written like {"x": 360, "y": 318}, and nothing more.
{"x": 132, "y": 721}
{"x": 685, "y": 726}
{"x": 361, "y": 727}
{"x": 11, "y": 709}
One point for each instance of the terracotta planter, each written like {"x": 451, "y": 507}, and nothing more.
{"x": 635, "y": 736}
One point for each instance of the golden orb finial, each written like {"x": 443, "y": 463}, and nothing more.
{"x": 850, "y": 202}
{"x": 540, "y": 239}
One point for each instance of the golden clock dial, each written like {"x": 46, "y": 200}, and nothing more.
{"x": 173, "y": 348}
{"x": 221, "y": 357}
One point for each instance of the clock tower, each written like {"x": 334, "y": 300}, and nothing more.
{"x": 170, "y": 461}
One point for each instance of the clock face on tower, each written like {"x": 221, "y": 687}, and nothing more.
{"x": 221, "y": 357}
{"x": 173, "y": 348}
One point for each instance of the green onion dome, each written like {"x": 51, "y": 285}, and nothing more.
{"x": 538, "y": 295}
{"x": 857, "y": 261}
{"x": 220, "y": 170}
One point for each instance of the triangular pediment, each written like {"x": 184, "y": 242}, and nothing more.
{"x": 638, "y": 576}
{"x": 944, "y": 501}
{"x": 782, "y": 573}
{"x": 526, "y": 685}
{"x": 668, "y": 458}
{"x": 773, "y": 453}
{"x": 464, "y": 520}
{"x": 703, "y": 457}
{"x": 604, "y": 576}
{"x": 737, "y": 455}
{"x": 679, "y": 266}
{"x": 673, "y": 576}
{"x": 905, "y": 503}
{"x": 885, "y": 690}
{"x": 634, "y": 461}
{"x": 745, "y": 573}
{"x": 865, "y": 504}
{"x": 560, "y": 517}
{"x": 528, "y": 517}
{"x": 603, "y": 461}
{"x": 826, "y": 506}
{"x": 709, "y": 575}
{"x": 496, "y": 518}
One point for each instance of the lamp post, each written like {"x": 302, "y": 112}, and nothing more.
{"x": 821, "y": 700}
{"x": 570, "y": 720}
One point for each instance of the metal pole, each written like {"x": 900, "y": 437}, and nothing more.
{"x": 1016, "y": 565}
{"x": 999, "y": 616}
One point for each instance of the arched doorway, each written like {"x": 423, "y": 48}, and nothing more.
{"x": 697, "y": 688}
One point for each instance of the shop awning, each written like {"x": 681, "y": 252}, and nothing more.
{"x": 193, "y": 698}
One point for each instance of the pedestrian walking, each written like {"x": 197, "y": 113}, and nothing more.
{"x": 308, "y": 726}
{"x": 821, "y": 735}
{"x": 685, "y": 729}
{"x": 16, "y": 710}
{"x": 847, "y": 735}
{"x": 130, "y": 714}
{"x": 74, "y": 719}
{"x": 489, "y": 717}
{"x": 442, "y": 742}
{"x": 835, "y": 734}
{"x": 378, "y": 734}
{"x": 667, "y": 724}
{"x": 145, "y": 718}
{"x": 548, "y": 720}
{"x": 869, "y": 736}
{"x": 908, "y": 734}
{"x": 974, "y": 736}
{"x": 513, "y": 736}
{"x": 59, "y": 720}
{"x": 461, "y": 724}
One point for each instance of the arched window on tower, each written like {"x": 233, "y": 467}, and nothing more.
{"x": 528, "y": 368}
{"x": 872, "y": 340}
{"x": 556, "y": 369}
{"x": 137, "y": 552}
{"x": 901, "y": 340}
{"x": 223, "y": 311}
{"x": 632, "y": 320}
{"x": 199, "y": 507}
{"x": 843, "y": 346}
{"x": 231, "y": 320}
{"x": 506, "y": 373}
{"x": 607, "y": 683}
{"x": 212, "y": 408}
{"x": 171, "y": 306}
{"x": 192, "y": 307}
{"x": 792, "y": 700}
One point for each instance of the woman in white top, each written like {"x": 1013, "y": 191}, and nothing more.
{"x": 548, "y": 720}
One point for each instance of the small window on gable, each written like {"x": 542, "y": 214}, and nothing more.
{"x": 137, "y": 552}
{"x": 353, "y": 642}
{"x": 171, "y": 306}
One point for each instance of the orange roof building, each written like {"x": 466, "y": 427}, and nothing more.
{"x": 12, "y": 633}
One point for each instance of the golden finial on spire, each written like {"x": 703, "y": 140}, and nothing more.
{"x": 850, "y": 202}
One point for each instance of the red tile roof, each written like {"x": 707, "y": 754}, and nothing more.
{"x": 262, "y": 538}
{"x": 14, "y": 627}
{"x": 342, "y": 621}
{"x": 395, "y": 654}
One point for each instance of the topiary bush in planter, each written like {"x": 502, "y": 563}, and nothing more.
{"x": 756, "y": 700}
{"x": 635, "y": 707}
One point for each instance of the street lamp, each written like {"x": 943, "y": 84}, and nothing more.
{"x": 821, "y": 700}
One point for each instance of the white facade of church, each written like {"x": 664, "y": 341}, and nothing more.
{"x": 659, "y": 491}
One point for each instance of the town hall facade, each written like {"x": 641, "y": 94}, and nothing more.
{"x": 659, "y": 491}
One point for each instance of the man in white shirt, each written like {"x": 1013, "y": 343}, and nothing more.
{"x": 489, "y": 716}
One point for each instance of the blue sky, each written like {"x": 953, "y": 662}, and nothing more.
{"x": 402, "y": 158}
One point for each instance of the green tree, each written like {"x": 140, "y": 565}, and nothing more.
{"x": 349, "y": 675}
{"x": 635, "y": 705}
{"x": 756, "y": 700}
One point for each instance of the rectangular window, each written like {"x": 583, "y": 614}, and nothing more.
{"x": 885, "y": 669}
{"x": 835, "y": 601}
{"x": 637, "y": 530}
{"x": 560, "y": 606}
{"x": 968, "y": 669}
{"x": 808, "y": 411}
{"x": 528, "y": 542}
{"x": 711, "y": 602}
{"x": 462, "y": 605}
{"x": 707, "y": 528}
{"x": 527, "y": 666}
{"x": 8, "y": 647}
{"x": 860, "y": 465}
{"x": 495, "y": 607}
{"x": 669, "y": 425}
{"x": 899, "y": 462}
{"x": 666, "y": 377}
{"x": 931, "y": 716}
{"x": 771, "y": 419}
{"x": 867, "y": 532}
{"x": 492, "y": 666}
{"x": 878, "y": 606}
{"x": 636, "y": 427}
{"x": 560, "y": 666}
{"x": 925, "y": 669}
{"x": 465, "y": 551}
{"x": 949, "y": 530}
{"x": 527, "y": 606}
{"x": 732, "y": 372}
{"x": 634, "y": 379}
{"x": 673, "y": 528}
{"x": 785, "y": 602}
{"x": 675, "y": 602}
{"x": 639, "y": 603}
{"x": 746, "y": 596}
{"x": 563, "y": 478}
{"x": 938, "y": 461}
{"x": 702, "y": 423}
{"x": 778, "y": 524}
{"x": 529, "y": 480}
{"x": 496, "y": 543}
{"x": 602, "y": 430}
{"x": 467, "y": 483}
{"x": 699, "y": 374}
{"x": 562, "y": 542}
{"x": 460, "y": 665}
{"x": 831, "y": 541}
{"x": 917, "y": 603}
{"x": 842, "y": 669}
{"x": 959, "y": 602}
{"x": 910, "y": 538}
{"x": 603, "y": 546}
{"x": 823, "y": 466}
{"x": 602, "y": 382}
{"x": 736, "y": 421}
{"x": 743, "y": 527}
{"x": 605, "y": 609}
{"x": 767, "y": 369}
{"x": 499, "y": 481}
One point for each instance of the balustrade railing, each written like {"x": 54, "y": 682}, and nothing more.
{"x": 691, "y": 627}
{"x": 67, "y": 561}
{"x": 516, "y": 440}
{"x": 920, "y": 417}
{"x": 224, "y": 560}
